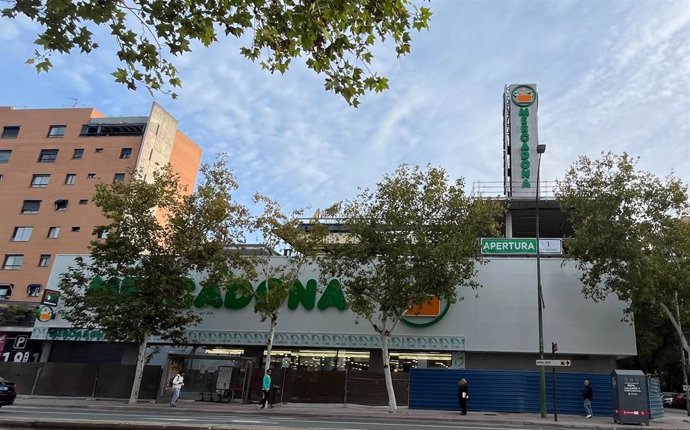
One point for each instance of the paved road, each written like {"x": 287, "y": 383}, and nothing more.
{"x": 65, "y": 413}
{"x": 261, "y": 419}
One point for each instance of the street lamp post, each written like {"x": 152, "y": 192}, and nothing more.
{"x": 542, "y": 370}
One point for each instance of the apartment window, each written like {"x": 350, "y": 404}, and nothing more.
{"x": 84, "y": 201}
{"x": 40, "y": 181}
{"x": 47, "y": 155}
{"x": 44, "y": 260}
{"x": 10, "y": 132}
{"x": 89, "y": 130}
{"x": 5, "y": 155}
{"x": 76, "y": 229}
{"x": 102, "y": 233}
{"x": 22, "y": 234}
{"x": 125, "y": 152}
{"x": 57, "y": 131}
{"x": 31, "y": 206}
{"x": 13, "y": 261}
{"x": 6, "y": 290}
{"x": 61, "y": 205}
{"x": 99, "y": 150}
{"x": 33, "y": 290}
{"x": 53, "y": 232}
{"x": 78, "y": 153}
{"x": 91, "y": 175}
{"x": 70, "y": 178}
{"x": 119, "y": 177}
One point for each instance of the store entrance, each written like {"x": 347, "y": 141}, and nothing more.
{"x": 208, "y": 378}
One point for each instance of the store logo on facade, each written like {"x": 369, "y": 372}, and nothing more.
{"x": 45, "y": 313}
{"x": 425, "y": 314}
{"x": 523, "y": 95}
{"x": 50, "y": 299}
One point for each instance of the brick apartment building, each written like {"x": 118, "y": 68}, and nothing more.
{"x": 50, "y": 161}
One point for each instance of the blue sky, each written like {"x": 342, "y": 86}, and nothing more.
{"x": 612, "y": 76}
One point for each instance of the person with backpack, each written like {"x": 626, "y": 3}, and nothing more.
{"x": 177, "y": 382}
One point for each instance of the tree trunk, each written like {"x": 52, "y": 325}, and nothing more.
{"x": 138, "y": 373}
{"x": 683, "y": 341}
{"x": 387, "y": 372}
{"x": 269, "y": 344}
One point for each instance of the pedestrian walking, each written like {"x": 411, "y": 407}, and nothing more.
{"x": 265, "y": 389}
{"x": 587, "y": 399}
{"x": 463, "y": 396}
{"x": 177, "y": 384}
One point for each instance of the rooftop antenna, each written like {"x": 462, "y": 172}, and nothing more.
{"x": 74, "y": 100}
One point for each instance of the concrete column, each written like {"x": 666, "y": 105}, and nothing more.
{"x": 46, "y": 350}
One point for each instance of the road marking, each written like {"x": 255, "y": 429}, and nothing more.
{"x": 233, "y": 418}
{"x": 425, "y": 425}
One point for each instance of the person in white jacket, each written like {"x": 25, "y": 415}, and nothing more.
{"x": 177, "y": 384}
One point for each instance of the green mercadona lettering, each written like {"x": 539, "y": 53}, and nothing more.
{"x": 239, "y": 294}
{"x": 524, "y": 149}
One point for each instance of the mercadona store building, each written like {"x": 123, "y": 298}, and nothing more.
{"x": 322, "y": 353}
{"x": 493, "y": 329}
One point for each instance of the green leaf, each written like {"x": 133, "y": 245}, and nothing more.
{"x": 329, "y": 36}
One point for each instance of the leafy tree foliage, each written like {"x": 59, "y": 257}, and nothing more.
{"x": 413, "y": 238}
{"x": 212, "y": 228}
{"x": 335, "y": 37}
{"x": 278, "y": 275}
{"x": 631, "y": 234}
{"x": 135, "y": 284}
{"x": 658, "y": 349}
{"x": 16, "y": 313}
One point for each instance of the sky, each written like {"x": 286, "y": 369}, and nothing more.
{"x": 612, "y": 75}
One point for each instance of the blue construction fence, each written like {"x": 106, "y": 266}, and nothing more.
{"x": 507, "y": 391}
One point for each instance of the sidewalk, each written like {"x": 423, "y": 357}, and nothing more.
{"x": 673, "y": 420}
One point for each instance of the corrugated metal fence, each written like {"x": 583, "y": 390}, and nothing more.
{"x": 507, "y": 391}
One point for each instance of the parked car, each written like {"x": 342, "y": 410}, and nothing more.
{"x": 678, "y": 401}
{"x": 667, "y": 398}
{"x": 8, "y": 392}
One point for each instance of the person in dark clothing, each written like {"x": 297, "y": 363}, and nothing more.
{"x": 463, "y": 395}
{"x": 587, "y": 398}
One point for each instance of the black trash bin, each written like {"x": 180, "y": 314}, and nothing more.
{"x": 275, "y": 395}
{"x": 630, "y": 404}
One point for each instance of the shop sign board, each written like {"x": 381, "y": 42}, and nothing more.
{"x": 520, "y": 140}
{"x": 554, "y": 363}
{"x": 503, "y": 246}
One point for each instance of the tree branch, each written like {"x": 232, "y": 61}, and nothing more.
{"x": 683, "y": 341}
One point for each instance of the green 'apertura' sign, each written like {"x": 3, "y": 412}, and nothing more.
{"x": 503, "y": 246}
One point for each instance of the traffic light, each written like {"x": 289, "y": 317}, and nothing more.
{"x": 554, "y": 347}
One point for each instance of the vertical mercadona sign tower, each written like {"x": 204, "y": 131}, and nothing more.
{"x": 520, "y": 139}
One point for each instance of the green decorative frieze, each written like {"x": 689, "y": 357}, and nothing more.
{"x": 406, "y": 342}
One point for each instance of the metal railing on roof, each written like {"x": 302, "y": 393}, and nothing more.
{"x": 496, "y": 190}
{"x": 328, "y": 221}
